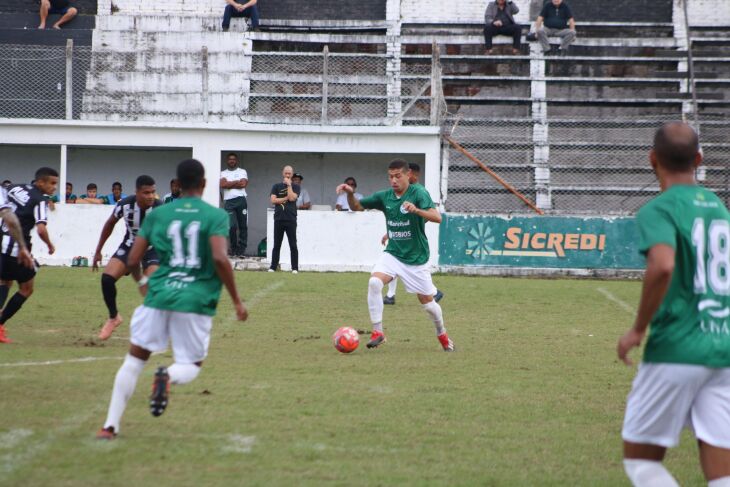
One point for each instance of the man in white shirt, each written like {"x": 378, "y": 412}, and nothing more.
{"x": 304, "y": 202}
{"x": 233, "y": 184}
{"x": 341, "y": 203}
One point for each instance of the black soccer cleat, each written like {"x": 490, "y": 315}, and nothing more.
{"x": 388, "y": 300}
{"x": 160, "y": 392}
{"x": 438, "y": 296}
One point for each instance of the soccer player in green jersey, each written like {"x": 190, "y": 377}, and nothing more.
{"x": 407, "y": 208}
{"x": 190, "y": 238}
{"x": 684, "y": 377}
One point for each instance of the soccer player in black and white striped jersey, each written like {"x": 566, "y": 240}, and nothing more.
{"x": 30, "y": 207}
{"x": 132, "y": 210}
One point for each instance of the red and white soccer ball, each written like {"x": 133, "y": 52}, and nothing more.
{"x": 346, "y": 339}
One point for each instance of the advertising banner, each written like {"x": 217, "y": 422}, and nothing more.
{"x": 539, "y": 241}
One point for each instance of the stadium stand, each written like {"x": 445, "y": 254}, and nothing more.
{"x": 570, "y": 132}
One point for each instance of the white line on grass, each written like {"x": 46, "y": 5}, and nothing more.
{"x": 259, "y": 295}
{"x": 240, "y": 444}
{"x": 58, "y": 362}
{"x": 622, "y": 304}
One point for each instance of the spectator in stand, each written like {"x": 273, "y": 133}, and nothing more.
{"x": 70, "y": 196}
{"x": 233, "y": 182}
{"x": 341, "y": 203}
{"x": 235, "y": 9}
{"x": 304, "y": 202}
{"x": 175, "y": 192}
{"x": 559, "y": 21}
{"x": 499, "y": 20}
{"x": 116, "y": 195}
{"x": 91, "y": 197}
{"x": 57, "y": 7}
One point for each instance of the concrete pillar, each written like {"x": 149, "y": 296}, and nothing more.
{"x": 210, "y": 155}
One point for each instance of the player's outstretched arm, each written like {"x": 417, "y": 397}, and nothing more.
{"x": 106, "y": 232}
{"x": 135, "y": 254}
{"x": 219, "y": 248}
{"x": 352, "y": 202}
{"x": 431, "y": 214}
{"x": 658, "y": 276}
{"x": 43, "y": 234}
{"x": 13, "y": 224}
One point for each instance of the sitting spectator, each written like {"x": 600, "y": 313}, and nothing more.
{"x": 91, "y": 197}
{"x": 174, "y": 193}
{"x": 304, "y": 202}
{"x": 59, "y": 7}
{"x": 341, "y": 204}
{"x": 559, "y": 21}
{"x": 70, "y": 196}
{"x": 235, "y": 9}
{"x": 116, "y": 194}
{"x": 499, "y": 20}
{"x": 7, "y": 183}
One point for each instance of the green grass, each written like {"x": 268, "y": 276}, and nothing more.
{"x": 533, "y": 396}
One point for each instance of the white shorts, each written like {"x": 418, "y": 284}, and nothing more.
{"x": 415, "y": 278}
{"x": 152, "y": 328}
{"x": 665, "y": 398}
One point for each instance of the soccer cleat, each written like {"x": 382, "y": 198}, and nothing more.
{"x": 106, "y": 433}
{"x": 376, "y": 338}
{"x": 109, "y": 327}
{"x": 438, "y": 296}
{"x": 3, "y": 337}
{"x": 389, "y": 300}
{"x": 160, "y": 392}
{"x": 446, "y": 342}
{"x": 295, "y": 271}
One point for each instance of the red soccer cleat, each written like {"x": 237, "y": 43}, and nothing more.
{"x": 376, "y": 338}
{"x": 106, "y": 433}
{"x": 3, "y": 337}
{"x": 446, "y": 342}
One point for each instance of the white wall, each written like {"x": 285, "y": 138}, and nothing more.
{"x": 322, "y": 173}
{"x": 467, "y": 11}
{"x": 709, "y": 12}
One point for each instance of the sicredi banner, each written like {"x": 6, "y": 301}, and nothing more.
{"x": 540, "y": 241}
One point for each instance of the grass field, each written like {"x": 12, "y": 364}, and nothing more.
{"x": 533, "y": 396}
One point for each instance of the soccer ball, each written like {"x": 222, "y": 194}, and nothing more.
{"x": 346, "y": 339}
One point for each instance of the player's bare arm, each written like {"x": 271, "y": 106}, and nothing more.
{"x": 290, "y": 194}
{"x": 106, "y": 232}
{"x": 431, "y": 214}
{"x": 351, "y": 200}
{"x": 13, "y": 225}
{"x": 43, "y": 234}
{"x": 219, "y": 248}
{"x": 659, "y": 269}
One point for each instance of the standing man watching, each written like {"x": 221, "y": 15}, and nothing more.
{"x": 304, "y": 202}
{"x": 559, "y": 21}
{"x": 233, "y": 183}
{"x": 284, "y": 198}
{"x": 235, "y": 9}
{"x": 684, "y": 377}
{"x": 499, "y": 20}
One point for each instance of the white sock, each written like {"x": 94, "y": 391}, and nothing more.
{"x": 182, "y": 373}
{"x": 375, "y": 303}
{"x": 124, "y": 384}
{"x": 721, "y": 482}
{"x": 434, "y": 311}
{"x": 648, "y": 473}
{"x": 391, "y": 288}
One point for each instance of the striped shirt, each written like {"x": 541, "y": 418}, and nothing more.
{"x": 30, "y": 206}
{"x": 128, "y": 209}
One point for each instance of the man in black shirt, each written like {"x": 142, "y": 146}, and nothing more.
{"x": 499, "y": 20}
{"x": 58, "y": 7}
{"x": 284, "y": 198}
{"x": 31, "y": 208}
{"x": 559, "y": 21}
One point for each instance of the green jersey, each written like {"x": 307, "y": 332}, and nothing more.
{"x": 692, "y": 325}
{"x": 406, "y": 231}
{"x": 180, "y": 232}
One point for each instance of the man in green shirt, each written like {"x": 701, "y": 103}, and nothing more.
{"x": 407, "y": 208}
{"x": 190, "y": 237}
{"x": 684, "y": 378}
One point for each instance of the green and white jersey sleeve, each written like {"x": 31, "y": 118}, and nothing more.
{"x": 692, "y": 325}
{"x": 180, "y": 232}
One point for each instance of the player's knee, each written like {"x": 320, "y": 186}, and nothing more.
{"x": 183, "y": 373}
{"x": 26, "y": 289}
{"x": 375, "y": 285}
{"x": 72, "y": 11}
{"x": 107, "y": 280}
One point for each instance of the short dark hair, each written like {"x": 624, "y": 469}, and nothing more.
{"x": 117, "y": 183}
{"x": 144, "y": 180}
{"x": 414, "y": 166}
{"x": 45, "y": 173}
{"x": 354, "y": 183}
{"x": 232, "y": 154}
{"x": 676, "y": 145}
{"x": 191, "y": 174}
{"x": 91, "y": 186}
{"x": 68, "y": 183}
{"x": 173, "y": 180}
{"x": 398, "y": 164}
